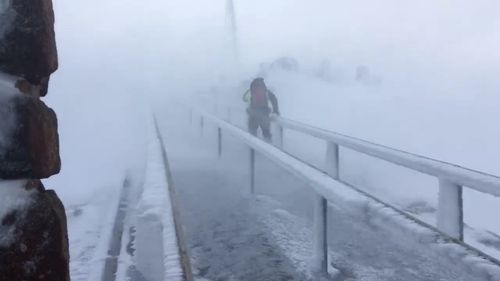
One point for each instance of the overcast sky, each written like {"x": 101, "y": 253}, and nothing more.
{"x": 437, "y": 37}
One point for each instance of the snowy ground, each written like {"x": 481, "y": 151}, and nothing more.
{"x": 89, "y": 227}
{"x": 236, "y": 237}
{"x": 127, "y": 232}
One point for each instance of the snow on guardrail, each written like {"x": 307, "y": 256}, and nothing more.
{"x": 364, "y": 205}
{"x": 452, "y": 178}
{"x": 465, "y": 177}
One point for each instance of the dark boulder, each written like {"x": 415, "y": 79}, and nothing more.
{"x": 40, "y": 241}
{"x": 28, "y": 46}
{"x": 33, "y": 150}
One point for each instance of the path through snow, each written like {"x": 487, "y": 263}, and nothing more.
{"x": 234, "y": 236}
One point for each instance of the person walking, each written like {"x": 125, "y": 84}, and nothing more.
{"x": 258, "y": 98}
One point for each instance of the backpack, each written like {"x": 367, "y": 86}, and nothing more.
{"x": 259, "y": 99}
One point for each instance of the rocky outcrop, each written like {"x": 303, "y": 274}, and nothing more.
{"x": 28, "y": 48}
{"x": 33, "y": 151}
{"x": 40, "y": 247}
{"x": 33, "y": 231}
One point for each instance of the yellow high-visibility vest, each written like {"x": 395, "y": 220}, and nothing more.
{"x": 247, "y": 97}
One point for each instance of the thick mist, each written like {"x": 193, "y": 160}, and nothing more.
{"x": 433, "y": 78}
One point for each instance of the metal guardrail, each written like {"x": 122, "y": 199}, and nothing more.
{"x": 323, "y": 184}
{"x": 452, "y": 178}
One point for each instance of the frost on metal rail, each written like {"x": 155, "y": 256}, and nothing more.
{"x": 462, "y": 176}
{"x": 452, "y": 178}
{"x": 456, "y": 174}
{"x": 329, "y": 187}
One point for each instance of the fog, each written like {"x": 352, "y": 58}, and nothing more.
{"x": 433, "y": 87}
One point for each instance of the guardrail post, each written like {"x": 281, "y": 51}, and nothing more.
{"x": 332, "y": 160}
{"x": 219, "y": 140}
{"x": 252, "y": 171}
{"x": 450, "y": 211}
{"x": 320, "y": 235}
{"x": 279, "y": 137}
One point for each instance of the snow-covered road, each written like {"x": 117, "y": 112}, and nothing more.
{"x": 234, "y": 236}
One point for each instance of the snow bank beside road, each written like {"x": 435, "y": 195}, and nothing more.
{"x": 152, "y": 249}
{"x": 156, "y": 203}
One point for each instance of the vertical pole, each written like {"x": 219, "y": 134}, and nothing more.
{"x": 450, "y": 218}
{"x": 252, "y": 171}
{"x": 321, "y": 212}
{"x": 320, "y": 235}
{"x": 279, "y": 138}
{"x": 332, "y": 160}
{"x": 219, "y": 141}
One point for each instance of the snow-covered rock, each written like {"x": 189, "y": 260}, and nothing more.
{"x": 29, "y": 144}
{"x": 34, "y": 243}
{"x": 13, "y": 197}
{"x": 27, "y": 39}
{"x": 33, "y": 230}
